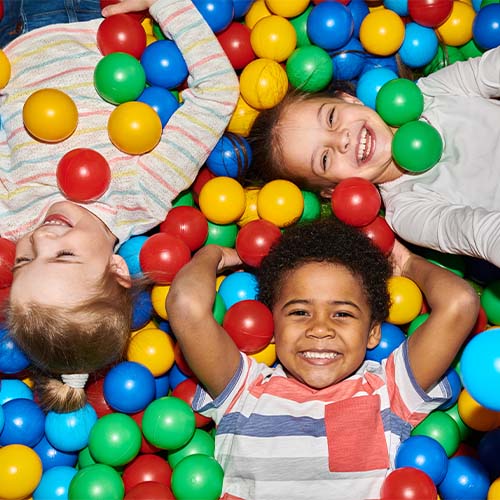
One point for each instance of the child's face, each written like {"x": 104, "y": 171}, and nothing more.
{"x": 322, "y": 324}
{"x": 60, "y": 262}
{"x": 326, "y": 140}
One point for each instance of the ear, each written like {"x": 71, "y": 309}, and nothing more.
{"x": 326, "y": 192}
{"x": 351, "y": 99}
{"x": 374, "y": 336}
{"x": 120, "y": 269}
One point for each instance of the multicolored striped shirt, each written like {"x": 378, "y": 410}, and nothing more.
{"x": 278, "y": 438}
{"x": 142, "y": 188}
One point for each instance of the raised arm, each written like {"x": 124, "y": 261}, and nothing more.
{"x": 454, "y": 307}
{"x": 208, "y": 349}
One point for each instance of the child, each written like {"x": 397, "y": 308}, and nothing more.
{"x": 70, "y": 300}
{"x": 318, "y": 140}
{"x": 323, "y": 423}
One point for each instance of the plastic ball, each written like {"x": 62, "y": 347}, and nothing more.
{"x": 457, "y": 29}
{"x": 494, "y": 490}
{"x": 273, "y": 37}
{"x": 7, "y": 257}
{"x": 145, "y": 468}
{"x": 488, "y": 452}
{"x": 222, "y": 200}
{"x": 359, "y": 10}
{"x": 52, "y": 457}
{"x": 255, "y": 239}
{"x": 161, "y": 100}
{"x": 430, "y": 13}
{"x": 235, "y": 41}
{"x": 490, "y": 301}
{"x": 280, "y": 202}
{"x": 83, "y": 175}
{"x": 406, "y": 300}
{"x": 257, "y": 11}
{"x": 474, "y": 415}
{"x": 152, "y": 490}
{"x": 241, "y": 7}
{"x": 266, "y": 355}
{"x": 5, "y": 70}
{"x": 419, "y": 47}
{"x": 54, "y": 483}
{"x": 382, "y": 32}
{"x": 299, "y": 24}
{"x": 291, "y": 8}
{"x": 164, "y": 64}
{"x": 158, "y": 299}
{"x": 130, "y": 252}
{"x": 348, "y": 61}
{"x": 417, "y": 146}
{"x": 309, "y": 68}
{"x": 242, "y": 119}
{"x": 312, "y": 207}
{"x": 441, "y": 427}
{"x": 400, "y": 7}
{"x": 24, "y": 423}
{"x": 97, "y": 482}
{"x": 230, "y": 155}
{"x": 370, "y": 82}
{"x": 399, "y": 101}
{"x": 222, "y": 234}
{"x": 330, "y": 25}
{"x": 186, "y": 390}
{"x": 238, "y": 286}
{"x": 408, "y": 483}
{"x": 466, "y": 479}
{"x": 14, "y": 389}
{"x": 12, "y": 359}
{"x": 188, "y": 224}
{"x": 50, "y": 115}
{"x": 486, "y": 26}
{"x": 201, "y": 443}
{"x": 392, "y": 337}
{"x": 380, "y": 234}
{"x": 263, "y": 83}
{"x": 168, "y": 423}
{"x": 197, "y": 477}
{"x": 217, "y": 13}
{"x": 456, "y": 388}
{"x": 20, "y": 471}
{"x": 121, "y": 33}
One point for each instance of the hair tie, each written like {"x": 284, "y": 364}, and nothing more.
{"x": 75, "y": 380}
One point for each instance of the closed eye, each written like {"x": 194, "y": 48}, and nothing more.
{"x": 63, "y": 253}
{"x": 300, "y": 312}
{"x": 22, "y": 259}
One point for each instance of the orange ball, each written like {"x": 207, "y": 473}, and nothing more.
{"x": 457, "y": 29}
{"x": 382, "y": 32}
{"x": 280, "y": 202}
{"x": 406, "y": 300}
{"x": 50, "y": 115}
{"x": 5, "y": 70}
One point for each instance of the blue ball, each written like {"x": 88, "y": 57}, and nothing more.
{"x": 359, "y": 10}
{"x": 12, "y": 359}
{"x": 161, "y": 100}
{"x": 238, "y": 286}
{"x": 330, "y": 25}
{"x": 419, "y": 46}
{"x": 488, "y": 453}
{"x": 392, "y": 337}
{"x": 374, "y": 62}
{"x": 456, "y": 388}
{"x": 371, "y": 82}
{"x": 2, "y": 418}
{"x": 400, "y": 7}
{"x": 14, "y": 389}
{"x": 143, "y": 310}
{"x": 217, "y": 13}
{"x": 349, "y": 60}
{"x": 231, "y": 155}
{"x": 175, "y": 376}
{"x": 129, "y": 251}
{"x": 486, "y": 26}
{"x": 424, "y": 453}
{"x": 129, "y": 387}
{"x": 466, "y": 479}
{"x": 164, "y": 64}
{"x": 24, "y": 423}
{"x": 162, "y": 386}
{"x": 480, "y": 368}
{"x": 241, "y": 7}
{"x": 70, "y": 431}
{"x": 54, "y": 484}
{"x": 52, "y": 457}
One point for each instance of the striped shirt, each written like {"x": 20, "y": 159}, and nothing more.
{"x": 278, "y": 438}
{"x": 64, "y": 57}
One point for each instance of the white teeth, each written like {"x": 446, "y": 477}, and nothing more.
{"x": 320, "y": 355}
{"x": 54, "y": 223}
{"x": 365, "y": 142}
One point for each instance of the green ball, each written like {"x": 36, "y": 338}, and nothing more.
{"x": 309, "y": 68}
{"x": 443, "y": 58}
{"x": 202, "y": 443}
{"x": 184, "y": 199}
{"x": 96, "y": 482}
{"x": 168, "y": 423}
{"x": 399, "y": 101}
{"x": 312, "y": 207}
{"x": 157, "y": 31}
{"x": 490, "y": 300}
{"x": 85, "y": 458}
{"x": 119, "y": 78}
{"x": 219, "y": 309}
{"x": 464, "y": 429}
{"x": 417, "y": 146}
{"x": 115, "y": 439}
{"x": 454, "y": 263}
{"x": 471, "y": 48}
{"x": 223, "y": 235}
{"x": 197, "y": 477}
{"x": 299, "y": 24}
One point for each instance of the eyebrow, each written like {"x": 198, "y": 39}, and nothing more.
{"x": 52, "y": 260}
{"x": 332, "y": 302}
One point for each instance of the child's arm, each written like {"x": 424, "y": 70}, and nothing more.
{"x": 208, "y": 349}
{"x": 454, "y": 307}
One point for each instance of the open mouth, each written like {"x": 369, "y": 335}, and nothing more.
{"x": 320, "y": 355}
{"x": 365, "y": 145}
{"x": 56, "y": 220}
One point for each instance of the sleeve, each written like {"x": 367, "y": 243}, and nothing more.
{"x": 478, "y": 76}
{"x": 407, "y": 399}
{"x": 454, "y": 229}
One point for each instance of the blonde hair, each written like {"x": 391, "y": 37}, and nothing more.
{"x": 81, "y": 339}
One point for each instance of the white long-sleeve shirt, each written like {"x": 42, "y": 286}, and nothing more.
{"x": 455, "y": 206}
{"x": 64, "y": 56}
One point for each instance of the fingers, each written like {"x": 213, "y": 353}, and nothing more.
{"x": 126, "y": 6}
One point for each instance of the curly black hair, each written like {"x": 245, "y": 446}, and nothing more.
{"x": 327, "y": 240}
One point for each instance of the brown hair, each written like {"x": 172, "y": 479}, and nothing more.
{"x": 81, "y": 339}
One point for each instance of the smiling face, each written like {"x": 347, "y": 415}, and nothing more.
{"x": 322, "y": 324}
{"x": 325, "y": 140}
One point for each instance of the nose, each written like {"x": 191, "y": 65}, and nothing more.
{"x": 340, "y": 139}
{"x": 320, "y": 328}
{"x": 40, "y": 235}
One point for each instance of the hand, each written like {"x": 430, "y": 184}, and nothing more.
{"x": 125, "y": 6}
{"x": 229, "y": 258}
{"x": 399, "y": 258}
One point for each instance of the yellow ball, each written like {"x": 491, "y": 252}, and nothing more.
{"x": 263, "y": 83}
{"x": 222, "y": 200}
{"x": 382, "y": 32}
{"x": 50, "y": 115}
{"x": 20, "y": 471}
{"x": 494, "y": 490}
{"x": 159, "y": 300}
{"x": 256, "y": 12}
{"x": 266, "y": 355}
{"x": 406, "y": 300}
{"x": 476, "y": 416}
{"x": 5, "y": 69}
{"x": 273, "y": 37}
{"x": 251, "y": 213}
{"x": 150, "y": 39}
{"x": 154, "y": 349}
{"x": 457, "y": 29}
{"x": 147, "y": 24}
{"x": 287, "y": 8}
{"x": 242, "y": 118}
{"x": 147, "y": 326}
{"x": 280, "y": 202}
{"x": 134, "y": 128}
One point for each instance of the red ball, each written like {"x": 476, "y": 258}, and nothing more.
{"x": 83, "y": 175}
{"x": 146, "y": 468}
{"x": 255, "y": 239}
{"x": 188, "y": 224}
{"x": 146, "y": 446}
{"x": 380, "y": 233}
{"x": 430, "y": 13}
{"x": 181, "y": 362}
{"x": 150, "y": 490}
{"x": 162, "y": 255}
{"x": 204, "y": 175}
{"x": 185, "y": 391}
{"x": 7, "y": 258}
{"x": 95, "y": 396}
{"x": 250, "y": 324}
{"x": 121, "y": 33}
{"x": 1, "y": 10}
{"x": 356, "y": 201}
{"x": 235, "y": 41}
{"x": 408, "y": 483}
